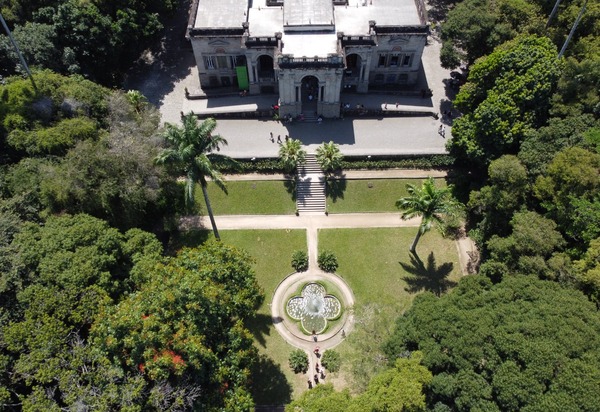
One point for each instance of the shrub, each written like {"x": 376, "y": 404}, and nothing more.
{"x": 402, "y": 162}
{"x": 300, "y": 261}
{"x": 298, "y": 361}
{"x": 327, "y": 261}
{"x": 331, "y": 360}
{"x": 272, "y": 165}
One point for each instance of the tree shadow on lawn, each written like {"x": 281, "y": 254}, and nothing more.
{"x": 269, "y": 384}
{"x": 429, "y": 277}
{"x": 335, "y": 186}
{"x": 290, "y": 186}
{"x": 259, "y": 327}
{"x": 188, "y": 238}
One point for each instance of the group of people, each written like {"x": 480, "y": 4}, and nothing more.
{"x": 272, "y": 138}
{"x": 319, "y": 369}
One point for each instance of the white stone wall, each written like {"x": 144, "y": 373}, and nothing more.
{"x": 395, "y": 49}
{"x": 219, "y": 51}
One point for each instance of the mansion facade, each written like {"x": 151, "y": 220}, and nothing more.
{"x": 308, "y": 51}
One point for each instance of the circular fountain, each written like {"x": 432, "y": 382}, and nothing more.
{"x": 313, "y": 308}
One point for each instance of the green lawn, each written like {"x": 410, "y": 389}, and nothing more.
{"x": 380, "y": 270}
{"x": 378, "y": 267}
{"x": 374, "y": 195}
{"x": 375, "y": 263}
{"x": 264, "y": 197}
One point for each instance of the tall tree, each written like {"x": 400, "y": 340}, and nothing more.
{"x": 329, "y": 157}
{"x": 184, "y": 330}
{"x": 292, "y": 155}
{"x": 506, "y": 96}
{"x": 521, "y": 345}
{"x": 192, "y": 154}
{"x": 65, "y": 272}
{"x": 432, "y": 204}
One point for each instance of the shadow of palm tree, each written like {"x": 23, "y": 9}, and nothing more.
{"x": 429, "y": 277}
{"x": 269, "y": 384}
{"x": 259, "y": 327}
{"x": 290, "y": 185}
{"x": 335, "y": 186}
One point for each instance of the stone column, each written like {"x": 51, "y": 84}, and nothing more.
{"x": 365, "y": 69}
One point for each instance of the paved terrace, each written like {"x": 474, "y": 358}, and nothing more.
{"x": 165, "y": 85}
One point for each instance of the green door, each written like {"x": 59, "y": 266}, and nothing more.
{"x": 242, "y": 77}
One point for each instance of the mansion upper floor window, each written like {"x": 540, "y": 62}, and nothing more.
{"x": 395, "y": 59}
{"x": 223, "y": 62}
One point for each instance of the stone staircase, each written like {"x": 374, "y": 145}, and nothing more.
{"x": 310, "y": 189}
{"x": 310, "y": 117}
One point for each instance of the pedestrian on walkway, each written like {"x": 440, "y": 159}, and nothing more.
{"x": 287, "y": 138}
{"x": 279, "y": 138}
{"x": 444, "y": 132}
{"x": 316, "y": 378}
{"x": 440, "y": 129}
{"x": 309, "y": 384}
{"x": 272, "y": 138}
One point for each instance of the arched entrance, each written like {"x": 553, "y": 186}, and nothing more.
{"x": 352, "y": 71}
{"x": 309, "y": 94}
{"x": 265, "y": 73}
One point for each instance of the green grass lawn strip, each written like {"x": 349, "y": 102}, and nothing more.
{"x": 370, "y": 261}
{"x": 261, "y": 197}
{"x": 369, "y": 195}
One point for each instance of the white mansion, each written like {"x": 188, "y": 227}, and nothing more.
{"x": 308, "y": 50}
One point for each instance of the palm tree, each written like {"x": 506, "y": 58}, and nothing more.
{"x": 292, "y": 155}
{"x": 429, "y": 202}
{"x": 137, "y": 100}
{"x": 191, "y": 152}
{"x": 329, "y": 157}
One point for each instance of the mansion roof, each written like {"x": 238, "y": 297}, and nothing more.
{"x": 307, "y": 27}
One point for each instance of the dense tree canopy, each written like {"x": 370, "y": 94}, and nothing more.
{"x": 96, "y": 39}
{"x": 83, "y": 149}
{"x": 184, "y": 328}
{"x": 521, "y": 345}
{"x": 493, "y": 205}
{"x": 475, "y": 27}
{"x": 507, "y": 94}
{"x": 65, "y": 271}
{"x": 98, "y": 319}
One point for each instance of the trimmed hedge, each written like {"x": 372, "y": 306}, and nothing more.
{"x": 300, "y": 261}
{"x": 331, "y": 360}
{"x": 298, "y": 361}
{"x": 398, "y": 162}
{"x": 273, "y": 165}
{"x": 327, "y": 261}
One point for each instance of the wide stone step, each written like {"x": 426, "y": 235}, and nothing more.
{"x": 310, "y": 190}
